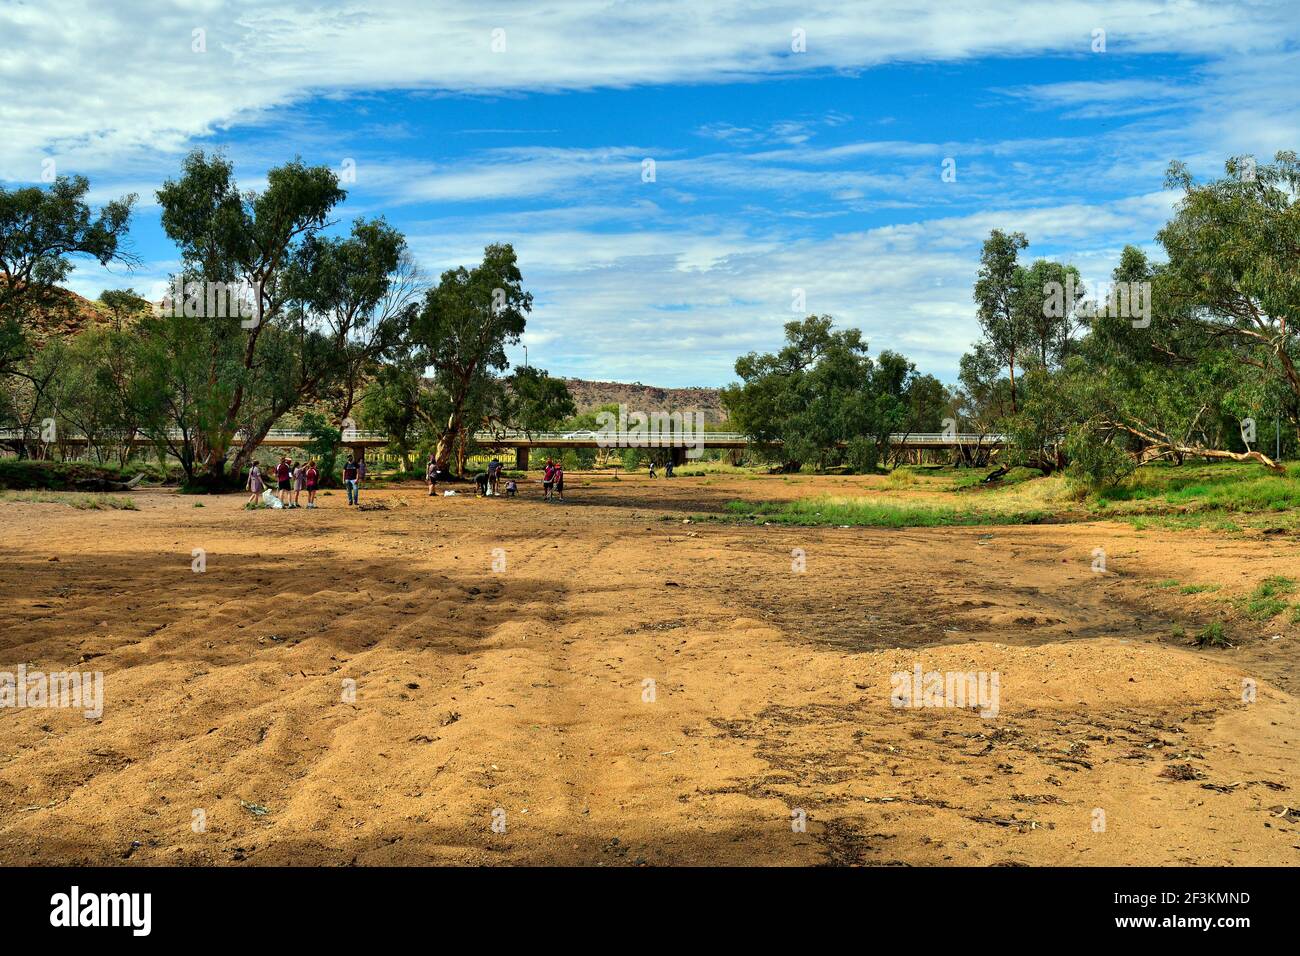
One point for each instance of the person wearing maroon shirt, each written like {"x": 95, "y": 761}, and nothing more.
{"x": 548, "y": 476}
{"x": 282, "y": 477}
{"x": 313, "y": 476}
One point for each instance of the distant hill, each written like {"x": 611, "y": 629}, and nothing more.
{"x": 649, "y": 398}
{"x": 69, "y": 315}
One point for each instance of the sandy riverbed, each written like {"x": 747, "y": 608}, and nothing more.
{"x": 520, "y": 693}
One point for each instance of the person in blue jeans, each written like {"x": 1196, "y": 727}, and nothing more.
{"x": 350, "y": 473}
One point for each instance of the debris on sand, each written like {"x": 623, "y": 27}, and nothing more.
{"x": 256, "y": 809}
{"x": 1182, "y": 771}
{"x": 1023, "y": 826}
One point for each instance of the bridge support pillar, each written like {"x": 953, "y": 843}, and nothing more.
{"x": 521, "y": 458}
{"x": 679, "y": 455}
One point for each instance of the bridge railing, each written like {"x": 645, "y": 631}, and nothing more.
{"x": 941, "y": 438}
{"x": 607, "y": 439}
{"x": 612, "y": 438}
{"x": 626, "y": 439}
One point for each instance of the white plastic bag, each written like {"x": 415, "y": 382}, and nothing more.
{"x": 270, "y": 500}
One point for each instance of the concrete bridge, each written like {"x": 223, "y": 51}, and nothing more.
{"x": 679, "y": 443}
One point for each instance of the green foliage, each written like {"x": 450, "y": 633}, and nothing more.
{"x": 40, "y": 230}
{"x": 397, "y": 403}
{"x": 1095, "y": 463}
{"x": 1231, "y": 249}
{"x": 862, "y": 455}
{"x": 865, "y": 513}
{"x": 463, "y": 328}
{"x": 324, "y": 446}
{"x": 1226, "y": 487}
{"x": 1000, "y": 292}
{"x": 19, "y": 474}
{"x": 821, "y": 389}
{"x": 1212, "y": 636}
{"x": 1266, "y": 601}
{"x": 308, "y": 293}
{"x": 537, "y": 402}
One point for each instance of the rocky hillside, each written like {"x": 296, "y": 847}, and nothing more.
{"x": 69, "y": 314}
{"x": 637, "y": 397}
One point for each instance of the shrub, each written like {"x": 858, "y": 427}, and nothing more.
{"x": 1094, "y": 462}
{"x": 1212, "y": 636}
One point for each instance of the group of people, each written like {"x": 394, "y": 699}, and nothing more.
{"x": 488, "y": 483}
{"x": 291, "y": 478}
{"x": 668, "y": 468}
{"x": 553, "y": 481}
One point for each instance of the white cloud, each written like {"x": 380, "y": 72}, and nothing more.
{"x": 677, "y": 306}
{"x": 103, "y": 84}
{"x": 652, "y": 281}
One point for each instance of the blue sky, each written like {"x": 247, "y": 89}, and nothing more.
{"x": 775, "y": 170}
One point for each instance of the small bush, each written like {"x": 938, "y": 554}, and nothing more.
{"x": 1265, "y": 602}
{"x": 82, "y": 502}
{"x": 1212, "y": 636}
{"x": 1094, "y": 463}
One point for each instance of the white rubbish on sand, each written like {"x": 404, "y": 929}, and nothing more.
{"x": 270, "y": 500}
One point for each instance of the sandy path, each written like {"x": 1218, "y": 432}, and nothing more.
{"x": 524, "y": 691}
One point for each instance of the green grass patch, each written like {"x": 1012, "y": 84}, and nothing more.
{"x": 1212, "y": 636}
{"x": 1266, "y": 601}
{"x": 967, "y": 478}
{"x": 865, "y": 513}
{"x": 1197, "y": 588}
{"x": 1220, "y": 487}
{"x": 82, "y": 502}
{"x": 26, "y": 475}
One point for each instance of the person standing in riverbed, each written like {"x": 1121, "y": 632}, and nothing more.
{"x": 299, "y": 477}
{"x": 557, "y": 478}
{"x": 431, "y": 474}
{"x": 312, "y": 477}
{"x": 255, "y": 485}
{"x": 282, "y": 479}
{"x": 350, "y": 480}
{"x": 548, "y": 479}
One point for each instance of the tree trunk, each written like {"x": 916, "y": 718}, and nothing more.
{"x": 1163, "y": 444}
{"x": 447, "y": 441}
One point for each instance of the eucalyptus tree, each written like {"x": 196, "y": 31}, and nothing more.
{"x": 1000, "y": 292}
{"x": 248, "y": 240}
{"x": 1233, "y": 248}
{"x": 819, "y": 394}
{"x": 41, "y": 230}
{"x": 462, "y": 331}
